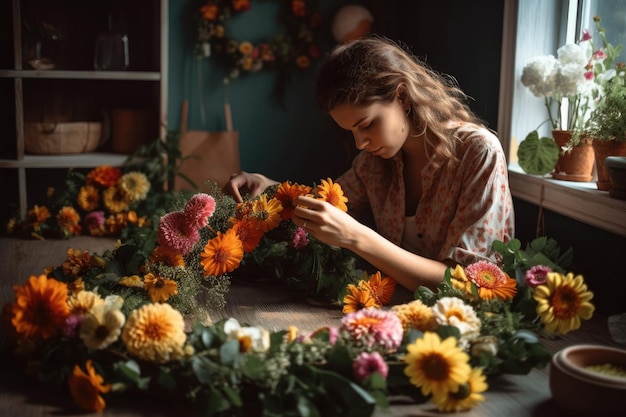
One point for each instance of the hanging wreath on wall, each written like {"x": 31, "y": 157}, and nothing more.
{"x": 295, "y": 48}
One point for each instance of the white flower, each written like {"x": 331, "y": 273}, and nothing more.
{"x": 254, "y": 338}
{"x": 573, "y": 53}
{"x": 103, "y": 324}
{"x": 452, "y": 311}
{"x": 539, "y": 75}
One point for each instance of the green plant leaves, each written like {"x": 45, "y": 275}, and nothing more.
{"x": 537, "y": 156}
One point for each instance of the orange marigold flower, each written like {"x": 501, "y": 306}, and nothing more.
{"x": 166, "y": 256}
{"x": 86, "y": 388}
{"x": 88, "y": 198}
{"x": 77, "y": 263}
{"x": 241, "y": 5}
{"x": 332, "y": 193}
{"x": 249, "y": 231}
{"x": 288, "y": 192}
{"x": 210, "y": 11}
{"x": 268, "y": 211}
{"x": 38, "y": 215}
{"x": 159, "y": 289}
{"x": 491, "y": 281}
{"x": 246, "y": 48}
{"x": 303, "y": 61}
{"x": 222, "y": 254}
{"x": 382, "y": 289}
{"x": 105, "y": 176}
{"x": 40, "y": 307}
{"x": 68, "y": 220}
{"x": 357, "y": 299}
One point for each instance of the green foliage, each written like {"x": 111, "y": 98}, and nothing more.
{"x": 540, "y": 251}
{"x": 537, "y": 156}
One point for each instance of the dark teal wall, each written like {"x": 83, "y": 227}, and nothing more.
{"x": 291, "y": 141}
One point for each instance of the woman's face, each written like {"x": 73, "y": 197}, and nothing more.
{"x": 379, "y": 128}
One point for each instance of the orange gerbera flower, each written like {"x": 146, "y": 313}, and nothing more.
{"x": 286, "y": 193}
{"x": 222, "y": 254}
{"x": 87, "y": 387}
{"x": 268, "y": 212}
{"x": 382, "y": 289}
{"x": 491, "y": 281}
{"x": 331, "y": 192}
{"x": 40, "y": 307}
{"x": 250, "y": 232}
{"x": 166, "y": 256}
{"x": 105, "y": 176}
{"x": 159, "y": 289}
{"x": 357, "y": 299}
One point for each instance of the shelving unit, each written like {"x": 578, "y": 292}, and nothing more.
{"x": 73, "y": 90}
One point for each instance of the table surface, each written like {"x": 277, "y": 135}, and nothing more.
{"x": 273, "y": 307}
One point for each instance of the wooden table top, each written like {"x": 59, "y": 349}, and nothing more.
{"x": 273, "y": 307}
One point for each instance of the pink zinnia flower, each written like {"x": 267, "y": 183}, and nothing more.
{"x": 300, "y": 239}
{"x": 373, "y": 328}
{"x": 199, "y": 208}
{"x": 367, "y": 363}
{"x": 72, "y": 325}
{"x": 536, "y": 275}
{"x": 176, "y": 232}
{"x": 94, "y": 220}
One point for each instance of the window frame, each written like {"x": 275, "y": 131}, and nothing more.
{"x": 533, "y": 27}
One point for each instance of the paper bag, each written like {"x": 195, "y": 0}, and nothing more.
{"x": 207, "y": 156}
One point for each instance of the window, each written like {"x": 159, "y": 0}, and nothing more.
{"x": 535, "y": 27}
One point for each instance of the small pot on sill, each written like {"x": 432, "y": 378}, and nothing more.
{"x": 616, "y": 166}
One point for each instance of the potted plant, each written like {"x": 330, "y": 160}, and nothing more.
{"x": 606, "y": 124}
{"x": 564, "y": 84}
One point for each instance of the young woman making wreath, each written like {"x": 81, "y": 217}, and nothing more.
{"x": 430, "y": 174}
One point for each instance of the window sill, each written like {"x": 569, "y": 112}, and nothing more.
{"x": 581, "y": 201}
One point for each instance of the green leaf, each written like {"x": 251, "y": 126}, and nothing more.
{"x": 537, "y": 156}
{"x": 229, "y": 351}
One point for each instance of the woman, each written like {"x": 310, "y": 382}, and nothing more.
{"x": 431, "y": 176}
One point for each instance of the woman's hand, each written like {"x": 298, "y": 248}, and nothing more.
{"x": 246, "y": 183}
{"x": 326, "y": 222}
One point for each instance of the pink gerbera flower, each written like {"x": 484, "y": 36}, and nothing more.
{"x": 199, "y": 208}
{"x": 176, "y": 232}
{"x": 366, "y": 364}
{"x": 373, "y": 328}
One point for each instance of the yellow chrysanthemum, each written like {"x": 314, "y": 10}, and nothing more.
{"x": 222, "y": 254}
{"x": 416, "y": 315}
{"x": 466, "y": 397}
{"x": 114, "y": 200}
{"x": 436, "y": 366}
{"x": 40, "y": 307}
{"x": 84, "y": 302}
{"x": 332, "y": 193}
{"x": 155, "y": 332}
{"x": 88, "y": 198}
{"x": 134, "y": 185}
{"x": 86, "y": 388}
{"x": 159, "y": 289}
{"x": 103, "y": 324}
{"x": 357, "y": 299}
{"x": 268, "y": 212}
{"x": 562, "y": 301}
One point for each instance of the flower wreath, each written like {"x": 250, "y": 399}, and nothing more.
{"x": 295, "y": 48}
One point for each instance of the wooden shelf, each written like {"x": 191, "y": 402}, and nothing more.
{"x": 82, "y": 75}
{"x": 84, "y": 160}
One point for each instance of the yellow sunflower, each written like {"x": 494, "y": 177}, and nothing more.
{"x": 159, "y": 289}
{"x": 466, "y": 397}
{"x": 357, "y": 299}
{"x": 222, "y": 254}
{"x": 436, "y": 366}
{"x": 268, "y": 211}
{"x": 40, "y": 307}
{"x": 155, "y": 332}
{"x": 332, "y": 193}
{"x": 562, "y": 301}
{"x": 86, "y": 388}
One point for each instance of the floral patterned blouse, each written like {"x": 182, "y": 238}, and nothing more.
{"x": 464, "y": 206}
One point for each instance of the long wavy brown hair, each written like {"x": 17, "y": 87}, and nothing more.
{"x": 375, "y": 69}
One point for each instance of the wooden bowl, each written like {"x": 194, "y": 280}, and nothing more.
{"x": 579, "y": 390}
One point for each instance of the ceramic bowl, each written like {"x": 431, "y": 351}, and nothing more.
{"x": 578, "y": 390}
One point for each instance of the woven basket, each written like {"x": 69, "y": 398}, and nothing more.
{"x": 62, "y": 138}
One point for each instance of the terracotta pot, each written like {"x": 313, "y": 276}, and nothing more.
{"x": 578, "y": 163}
{"x": 581, "y": 391}
{"x": 602, "y": 149}
{"x": 616, "y": 165}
